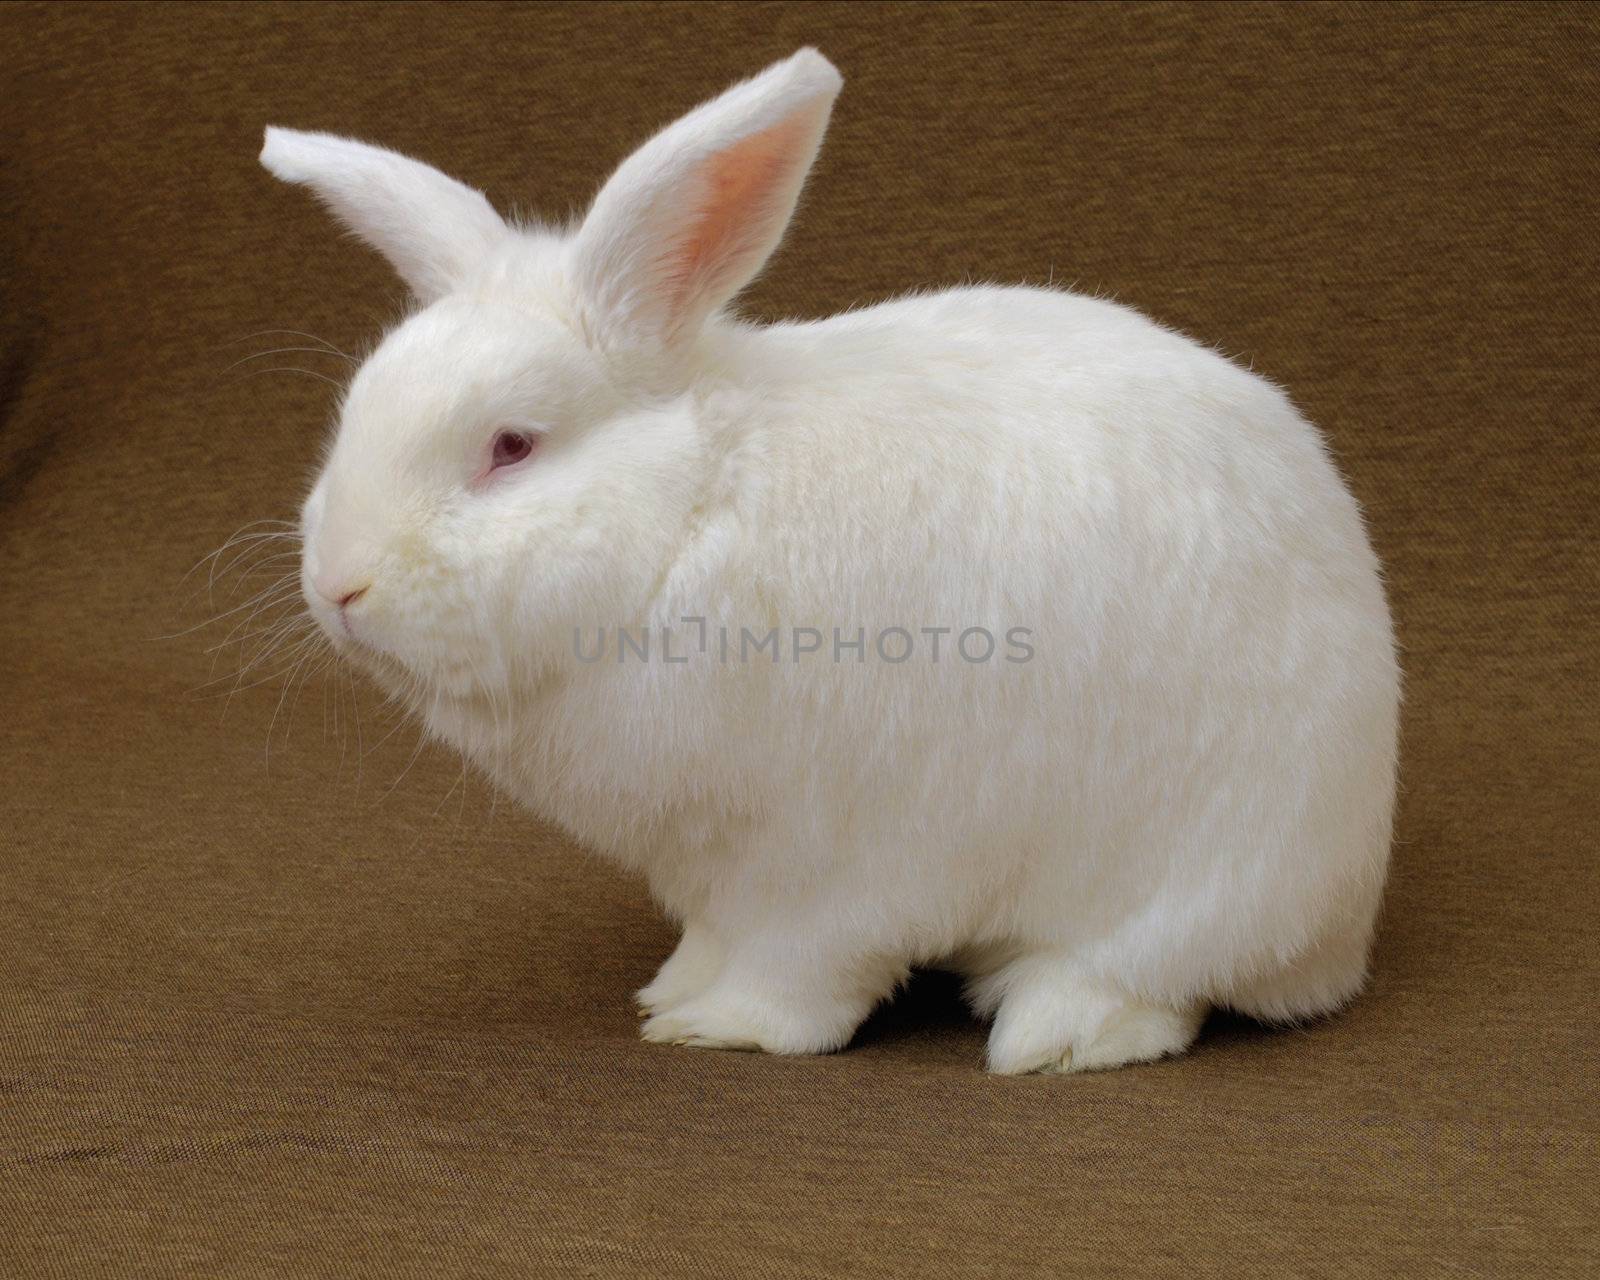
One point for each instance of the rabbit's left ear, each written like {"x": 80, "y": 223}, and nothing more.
{"x": 690, "y": 218}
{"x": 432, "y": 229}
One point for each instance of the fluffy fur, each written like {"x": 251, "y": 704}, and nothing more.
{"x": 1182, "y": 800}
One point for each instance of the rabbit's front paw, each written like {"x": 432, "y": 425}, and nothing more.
{"x": 720, "y": 1019}
{"x": 688, "y": 971}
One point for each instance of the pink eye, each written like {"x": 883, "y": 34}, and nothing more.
{"x": 510, "y": 448}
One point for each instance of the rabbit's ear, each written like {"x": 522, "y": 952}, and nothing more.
{"x": 690, "y": 217}
{"x": 432, "y": 229}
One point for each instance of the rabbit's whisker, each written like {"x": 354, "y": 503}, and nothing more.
{"x": 288, "y": 368}
{"x": 293, "y": 333}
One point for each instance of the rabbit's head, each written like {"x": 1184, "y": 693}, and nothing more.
{"x": 515, "y": 457}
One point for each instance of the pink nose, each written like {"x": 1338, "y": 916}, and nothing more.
{"x": 337, "y": 593}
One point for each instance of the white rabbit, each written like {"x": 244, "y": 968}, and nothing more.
{"x": 1167, "y": 786}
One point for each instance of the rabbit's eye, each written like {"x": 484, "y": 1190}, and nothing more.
{"x": 510, "y": 448}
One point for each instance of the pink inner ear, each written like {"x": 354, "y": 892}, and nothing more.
{"x": 743, "y": 195}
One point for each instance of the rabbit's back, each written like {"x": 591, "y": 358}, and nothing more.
{"x": 1198, "y": 712}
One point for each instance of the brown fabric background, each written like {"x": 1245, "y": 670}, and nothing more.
{"x": 262, "y": 1020}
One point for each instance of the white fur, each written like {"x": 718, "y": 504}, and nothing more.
{"x": 1182, "y": 800}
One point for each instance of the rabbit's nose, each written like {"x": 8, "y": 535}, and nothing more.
{"x": 337, "y": 592}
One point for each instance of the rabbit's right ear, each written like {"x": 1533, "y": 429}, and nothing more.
{"x": 432, "y": 229}
{"x": 692, "y": 215}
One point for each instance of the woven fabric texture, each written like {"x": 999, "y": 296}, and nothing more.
{"x": 265, "y": 1013}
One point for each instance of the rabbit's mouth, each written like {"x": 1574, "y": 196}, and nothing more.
{"x": 414, "y": 677}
